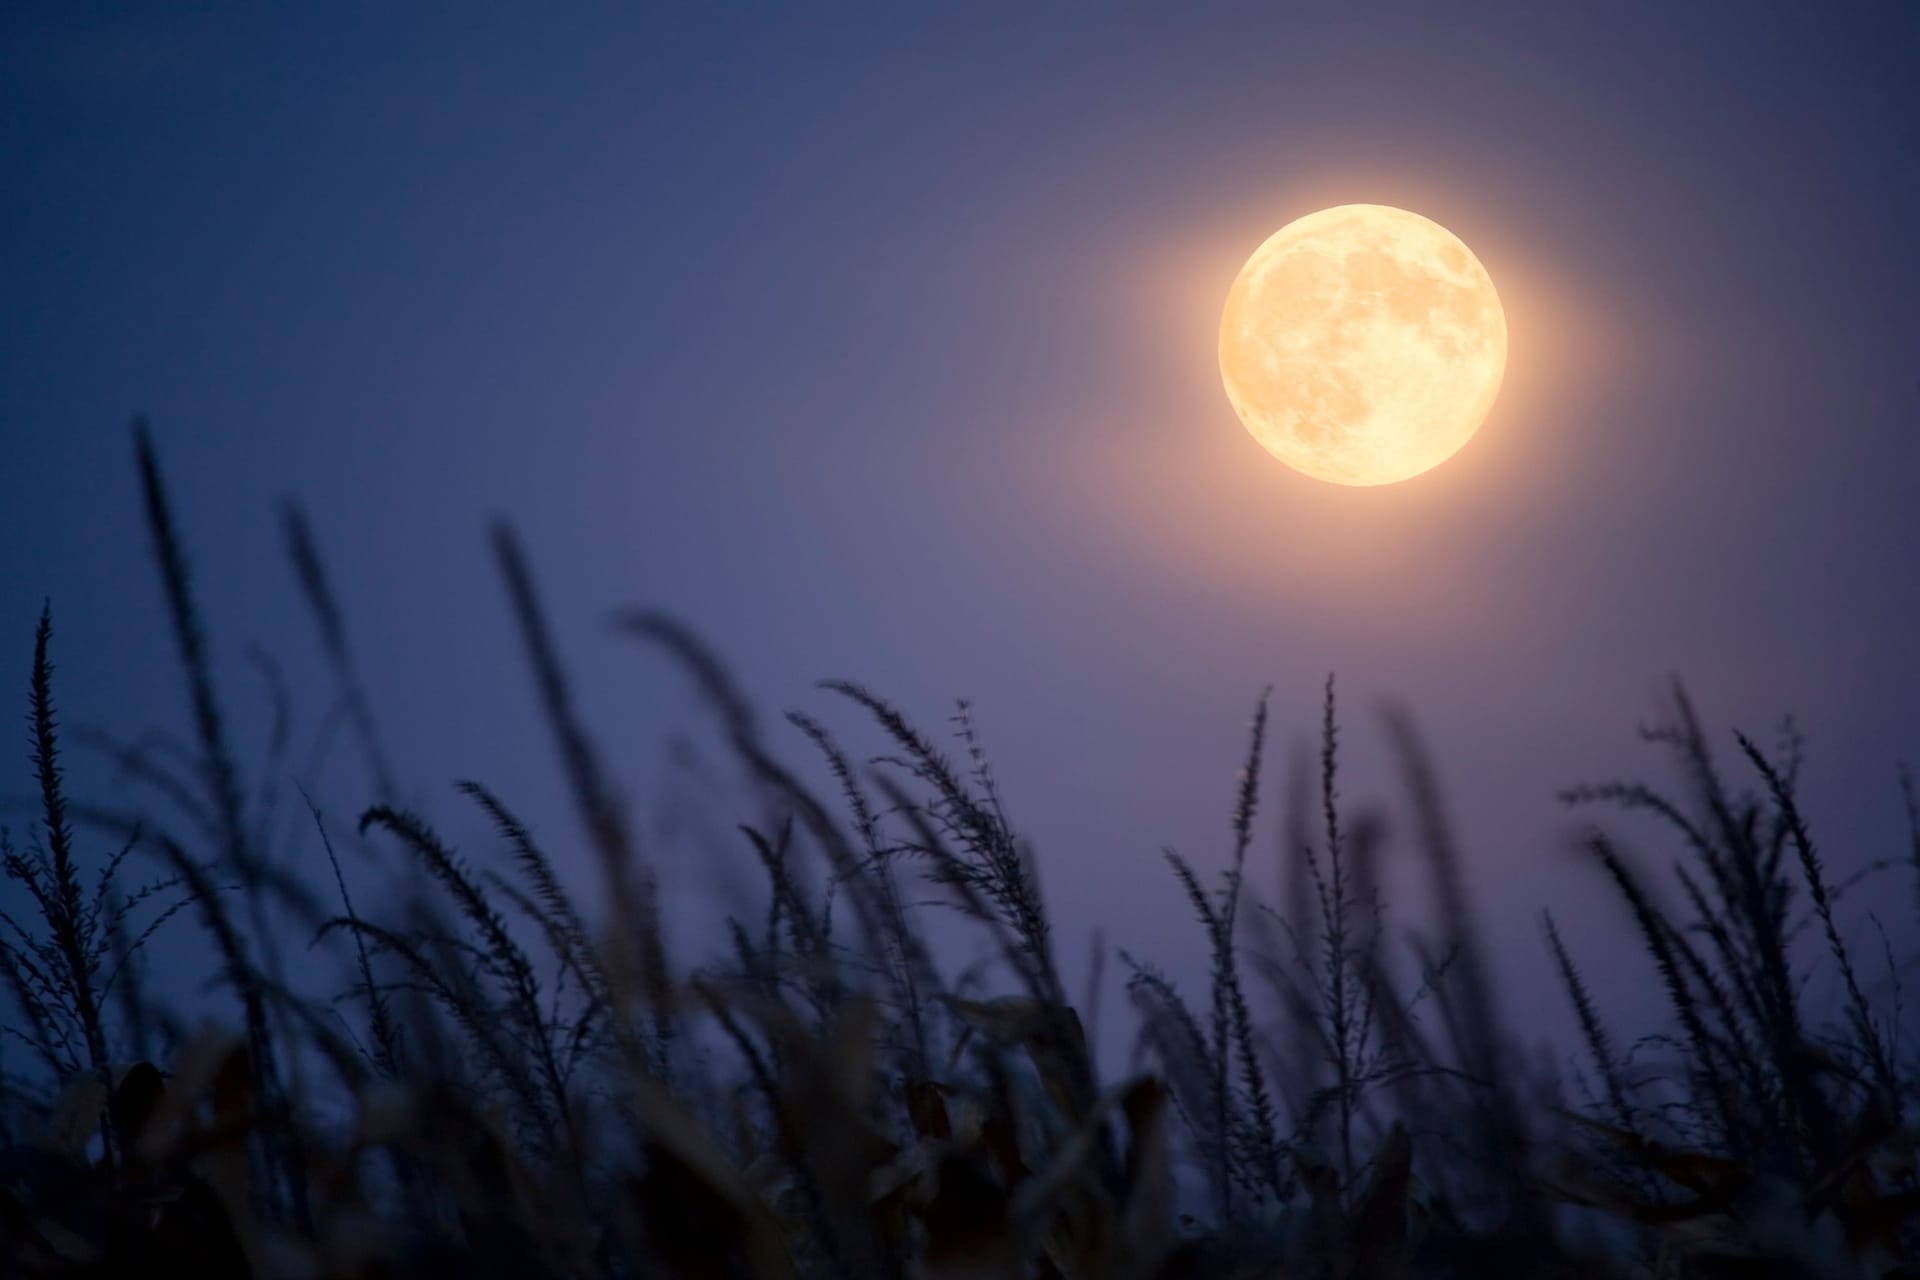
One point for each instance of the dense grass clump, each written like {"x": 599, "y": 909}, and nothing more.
{"x": 518, "y": 1076}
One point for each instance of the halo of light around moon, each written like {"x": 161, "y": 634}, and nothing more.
{"x": 1363, "y": 344}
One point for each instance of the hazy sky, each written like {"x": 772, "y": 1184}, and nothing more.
{"x": 881, "y": 344}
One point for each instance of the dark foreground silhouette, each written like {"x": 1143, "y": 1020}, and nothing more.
{"x": 515, "y": 1083}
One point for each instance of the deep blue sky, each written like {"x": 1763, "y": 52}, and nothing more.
{"x": 879, "y": 342}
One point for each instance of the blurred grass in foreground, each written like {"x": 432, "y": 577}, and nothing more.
{"x": 516, "y": 1085}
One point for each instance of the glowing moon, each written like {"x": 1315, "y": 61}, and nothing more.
{"x": 1363, "y": 344}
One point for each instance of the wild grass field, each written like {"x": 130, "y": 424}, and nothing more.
{"x": 520, "y": 1079}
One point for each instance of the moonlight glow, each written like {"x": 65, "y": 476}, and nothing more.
{"x": 1363, "y": 344}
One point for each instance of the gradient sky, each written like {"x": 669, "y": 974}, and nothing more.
{"x": 879, "y": 342}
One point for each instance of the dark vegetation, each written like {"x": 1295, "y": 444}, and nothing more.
{"x": 514, "y": 1083}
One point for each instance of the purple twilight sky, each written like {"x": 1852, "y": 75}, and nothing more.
{"x": 878, "y": 341}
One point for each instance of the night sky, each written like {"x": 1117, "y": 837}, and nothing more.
{"x": 879, "y": 342}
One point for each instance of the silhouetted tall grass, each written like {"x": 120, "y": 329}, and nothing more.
{"x": 510, "y": 1082}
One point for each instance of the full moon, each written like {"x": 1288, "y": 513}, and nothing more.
{"x": 1363, "y": 344}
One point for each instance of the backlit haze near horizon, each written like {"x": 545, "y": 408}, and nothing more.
{"x": 881, "y": 345}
